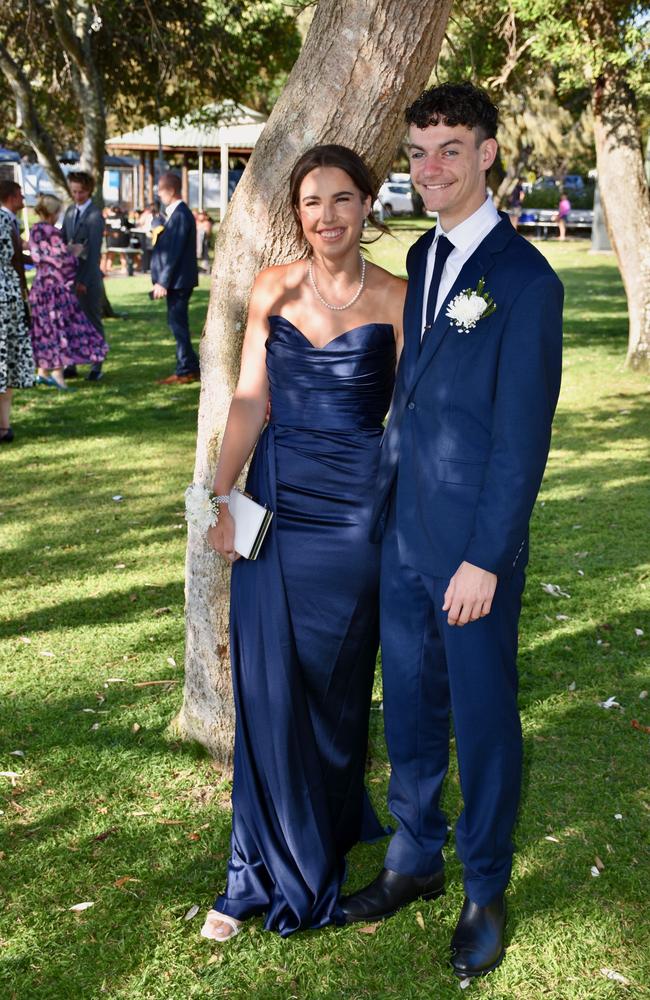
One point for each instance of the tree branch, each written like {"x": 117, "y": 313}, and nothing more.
{"x": 28, "y": 121}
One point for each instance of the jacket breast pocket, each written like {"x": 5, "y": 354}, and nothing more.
{"x": 463, "y": 473}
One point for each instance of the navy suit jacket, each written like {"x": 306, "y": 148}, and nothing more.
{"x": 469, "y": 430}
{"x": 173, "y": 258}
{"x": 90, "y": 232}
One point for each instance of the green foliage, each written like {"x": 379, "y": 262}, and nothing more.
{"x": 139, "y": 823}
{"x": 549, "y": 198}
{"x": 154, "y": 60}
{"x": 585, "y": 40}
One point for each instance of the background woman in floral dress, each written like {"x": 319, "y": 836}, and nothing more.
{"x": 61, "y": 333}
{"x": 16, "y": 362}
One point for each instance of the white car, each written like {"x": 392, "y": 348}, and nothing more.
{"x": 395, "y": 198}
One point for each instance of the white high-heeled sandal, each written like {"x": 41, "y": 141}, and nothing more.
{"x": 207, "y": 931}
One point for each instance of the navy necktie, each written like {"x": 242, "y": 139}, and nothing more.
{"x": 77, "y": 214}
{"x": 443, "y": 249}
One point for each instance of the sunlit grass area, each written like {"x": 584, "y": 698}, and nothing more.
{"x": 106, "y": 807}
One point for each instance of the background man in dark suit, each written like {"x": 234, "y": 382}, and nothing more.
{"x": 461, "y": 464}
{"x": 83, "y": 223}
{"x": 175, "y": 274}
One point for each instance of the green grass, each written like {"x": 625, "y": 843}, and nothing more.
{"x": 138, "y": 823}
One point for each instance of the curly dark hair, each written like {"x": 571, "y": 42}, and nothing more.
{"x": 455, "y": 104}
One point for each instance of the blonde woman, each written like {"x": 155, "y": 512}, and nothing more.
{"x": 61, "y": 333}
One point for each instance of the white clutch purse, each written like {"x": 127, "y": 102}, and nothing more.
{"x": 252, "y": 522}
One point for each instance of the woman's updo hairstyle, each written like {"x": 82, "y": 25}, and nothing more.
{"x": 47, "y": 206}
{"x": 345, "y": 159}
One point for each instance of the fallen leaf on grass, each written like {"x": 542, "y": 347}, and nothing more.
{"x": 594, "y": 871}
{"x": 639, "y": 727}
{"x": 618, "y": 816}
{"x": 369, "y": 928}
{"x": 554, "y": 590}
{"x": 638, "y": 631}
{"x": 191, "y": 913}
{"x": 120, "y": 565}
{"x": 78, "y": 907}
{"x": 145, "y": 684}
{"x": 170, "y": 822}
{"x": 94, "y": 727}
{"x": 553, "y": 840}
{"x": 572, "y": 686}
{"x": 106, "y": 833}
{"x": 615, "y": 976}
{"x": 214, "y": 958}
{"x": 464, "y": 983}
{"x": 136, "y": 727}
{"x": 643, "y": 695}
{"x": 117, "y": 497}
{"x": 17, "y": 753}
{"x": 119, "y": 882}
{"x": 563, "y": 618}
{"x": 25, "y": 639}
{"x": 133, "y": 597}
{"x": 599, "y": 865}
{"x": 171, "y": 661}
{"x": 45, "y": 652}
{"x": 419, "y": 919}
{"x": 12, "y": 775}
{"x": 610, "y": 703}
{"x": 194, "y": 836}
{"x": 115, "y": 680}
{"x": 162, "y": 611}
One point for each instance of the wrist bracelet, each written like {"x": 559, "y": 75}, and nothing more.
{"x": 222, "y": 499}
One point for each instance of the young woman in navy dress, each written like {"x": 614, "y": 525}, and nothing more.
{"x": 321, "y": 344}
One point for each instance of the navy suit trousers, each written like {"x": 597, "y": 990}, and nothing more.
{"x": 178, "y": 300}
{"x": 431, "y": 670}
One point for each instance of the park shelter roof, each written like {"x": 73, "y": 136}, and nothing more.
{"x": 215, "y": 125}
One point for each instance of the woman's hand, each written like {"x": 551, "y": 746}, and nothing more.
{"x": 222, "y": 536}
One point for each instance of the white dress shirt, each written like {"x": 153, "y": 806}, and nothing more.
{"x": 466, "y": 237}
{"x": 170, "y": 208}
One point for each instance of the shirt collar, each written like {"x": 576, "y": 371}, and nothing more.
{"x": 172, "y": 205}
{"x": 82, "y": 208}
{"x": 465, "y": 233}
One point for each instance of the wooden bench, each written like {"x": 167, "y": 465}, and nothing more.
{"x": 577, "y": 220}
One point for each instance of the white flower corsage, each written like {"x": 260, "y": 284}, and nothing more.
{"x": 469, "y": 306}
{"x": 201, "y": 507}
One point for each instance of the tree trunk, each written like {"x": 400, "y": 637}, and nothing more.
{"x": 361, "y": 65}
{"x": 624, "y": 191}
{"x": 74, "y": 32}
{"x": 29, "y": 123}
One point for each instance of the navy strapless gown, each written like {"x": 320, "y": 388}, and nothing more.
{"x": 304, "y": 630}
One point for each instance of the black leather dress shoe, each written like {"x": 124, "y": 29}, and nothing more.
{"x": 477, "y": 944}
{"x": 70, "y": 371}
{"x": 389, "y": 892}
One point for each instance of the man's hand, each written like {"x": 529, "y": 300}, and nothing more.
{"x": 80, "y": 288}
{"x": 159, "y": 291}
{"x": 469, "y": 594}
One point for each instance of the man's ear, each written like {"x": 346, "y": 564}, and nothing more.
{"x": 489, "y": 150}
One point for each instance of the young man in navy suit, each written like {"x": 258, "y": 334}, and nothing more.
{"x": 462, "y": 460}
{"x": 175, "y": 274}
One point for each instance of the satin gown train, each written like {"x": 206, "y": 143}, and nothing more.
{"x": 304, "y": 630}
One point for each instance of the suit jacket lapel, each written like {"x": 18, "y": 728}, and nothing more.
{"x": 413, "y": 310}
{"x": 474, "y": 268}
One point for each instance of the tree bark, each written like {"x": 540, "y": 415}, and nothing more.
{"x": 29, "y": 123}
{"x": 624, "y": 191}
{"x": 361, "y": 65}
{"x": 74, "y": 32}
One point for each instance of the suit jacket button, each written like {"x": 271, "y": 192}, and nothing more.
{"x": 411, "y": 405}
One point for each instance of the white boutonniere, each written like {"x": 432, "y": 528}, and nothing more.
{"x": 469, "y": 306}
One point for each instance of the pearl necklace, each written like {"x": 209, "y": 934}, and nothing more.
{"x": 328, "y": 305}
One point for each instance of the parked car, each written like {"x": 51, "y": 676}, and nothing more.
{"x": 395, "y": 199}
{"x": 573, "y": 182}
